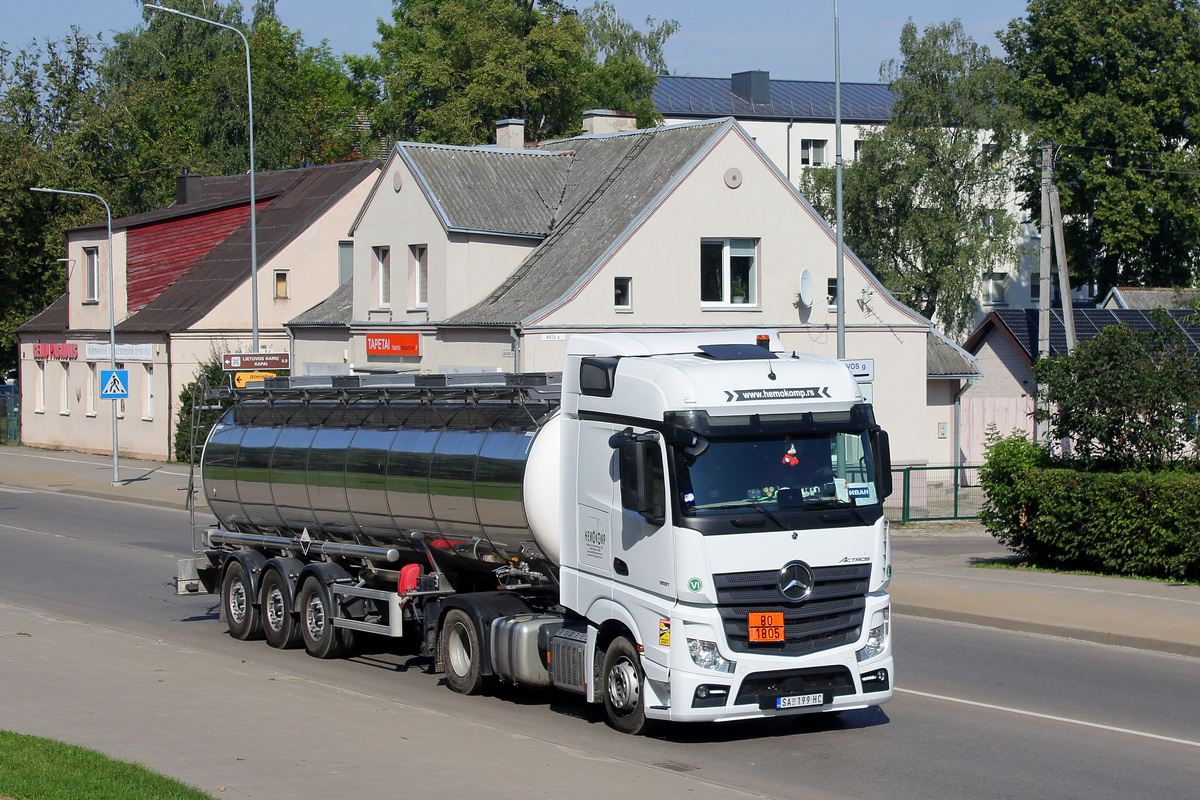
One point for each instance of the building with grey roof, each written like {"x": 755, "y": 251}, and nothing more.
{"x": 489, "y": 258}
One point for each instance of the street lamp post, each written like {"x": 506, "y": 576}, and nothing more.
{"x": 112, "y": 318}
{"x": 841, "y": 235}
{"x": 253, "y": 196}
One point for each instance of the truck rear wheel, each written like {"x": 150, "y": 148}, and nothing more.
{"x": 458, "y": 643}
{"x": 321, "y": 638}
{"x": 237, "y": 603}
{"x": 623, "y": 682}
{"x": 278, "y": 621}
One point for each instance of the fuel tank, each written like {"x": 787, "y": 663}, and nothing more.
{"x": 475, "y": 479}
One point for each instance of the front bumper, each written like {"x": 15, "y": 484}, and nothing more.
{"x": 826, "y": 681}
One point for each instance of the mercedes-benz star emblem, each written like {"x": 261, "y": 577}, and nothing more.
{"x": 796, "y": 581}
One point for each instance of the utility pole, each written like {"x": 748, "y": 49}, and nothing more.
{"x": 1064, "y": 278}
{"x": 1041, "y": 431}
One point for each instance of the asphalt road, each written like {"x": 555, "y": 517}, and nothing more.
{"x": 979, "y": 713}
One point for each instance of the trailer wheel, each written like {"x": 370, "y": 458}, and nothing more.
{"x": 458, "y": 643}
{"x": 278, "y": 621}
{"x": 321, "y": 638}
{"x": 623, "y": 681}
{"x": 237, "y": 603}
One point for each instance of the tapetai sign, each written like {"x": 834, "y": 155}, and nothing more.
{"x": 393, "y": 344}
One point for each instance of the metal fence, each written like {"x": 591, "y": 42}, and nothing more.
{"x": 934, "y": 493}
{"x": 10, "y": 414}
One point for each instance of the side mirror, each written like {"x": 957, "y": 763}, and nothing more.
{"x": 643, "y": 488}
{"x": 883, "y": 462}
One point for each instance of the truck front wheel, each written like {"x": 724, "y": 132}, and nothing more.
{"x": 459, "y": 646}
{"x": 624, "y": 700}
{"x": 237, "y": 603}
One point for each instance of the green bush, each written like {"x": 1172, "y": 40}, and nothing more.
{"x": 1124, "y": 523}
{"x": 213, "y": 372}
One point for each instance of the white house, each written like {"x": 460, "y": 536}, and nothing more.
{"x": 488, "y": 258}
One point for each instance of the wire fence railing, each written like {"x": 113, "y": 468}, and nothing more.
{"x": 10, "y": 414}
{"x": 934, "y": 493}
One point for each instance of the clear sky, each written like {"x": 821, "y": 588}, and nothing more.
{"x": 790, "y": 38}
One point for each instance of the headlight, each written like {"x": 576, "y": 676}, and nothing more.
{"x": 876, "y": 637}
{"x": 707, "y": 656}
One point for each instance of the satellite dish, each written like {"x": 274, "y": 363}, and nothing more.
{"x": 806, "y": 288}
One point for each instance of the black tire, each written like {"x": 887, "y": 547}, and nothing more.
{"x": 237, "y": 603}
{"x": 458, "y": 651}
{"x": 275, "y": 607}
{"x": 321, "y": 638}
{"x": 623, "y": 684}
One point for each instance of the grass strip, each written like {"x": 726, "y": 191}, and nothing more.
{"x": 33, "y": 768}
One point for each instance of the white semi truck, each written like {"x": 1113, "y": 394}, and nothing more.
{"x": 683, "y": 527}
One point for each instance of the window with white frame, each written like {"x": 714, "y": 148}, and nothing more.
{"x": 148, "y": 393}
{"x": 812, "y": 152}
{"x": 418, "y": 266}
{"x": 282, "y": 285}
{"x": 121, "y": 401}
{"x": 382, "y": 276}
{"x": 91, "y": 274}
{"x": 994, "y": 289}
{"x": 345, "y": 262}
{"x": 623, "y": 294}
{"x": 91, "y": 389}
{"x": 831, "y": 293}
{"x": 40, "y": 388}
{"x": 64, "y": 389}
{"x": 729, "y": 272}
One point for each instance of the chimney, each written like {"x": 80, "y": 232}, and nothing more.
{"x": 602, "y": 120}
{"x": 753, "y": 86}
{"x": 510, "y": 134}
{"x": 187, "y": 188}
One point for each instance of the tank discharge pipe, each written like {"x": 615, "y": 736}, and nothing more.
{"x": 215, "y": 537}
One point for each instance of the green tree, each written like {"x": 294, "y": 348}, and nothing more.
{"x": 1117, "y": 87}
{"x": 176, "y": 97}
{"x": 611, "y": 37}
{"x": 626, "y": 62}
{"x": 195, "y": 405}
{"x": 1125, "y": 399}
{"x": 924, "y": 202}
{"x": 48, "y": 95}
{"x": 447, "y": 70}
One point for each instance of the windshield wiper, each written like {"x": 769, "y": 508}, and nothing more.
{"x": 770, "y": 516}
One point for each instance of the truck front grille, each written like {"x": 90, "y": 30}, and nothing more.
{"x": 832, "y": 616}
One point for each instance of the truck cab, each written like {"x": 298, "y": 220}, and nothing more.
{"x": 722, "y": 518}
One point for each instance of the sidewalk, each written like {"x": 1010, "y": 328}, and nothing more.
{"x": 933, "y": 577}
{"x": 931, "y": 565}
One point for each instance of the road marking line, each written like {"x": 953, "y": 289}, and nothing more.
{"x": 1051, "y": 717}
{"x": 15, "y": 491}
{"x": 25, "y": 530}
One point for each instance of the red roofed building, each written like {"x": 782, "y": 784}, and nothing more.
{"x": 182, "y": 292}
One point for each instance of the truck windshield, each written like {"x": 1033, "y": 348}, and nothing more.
{"x": 781, "y": 472}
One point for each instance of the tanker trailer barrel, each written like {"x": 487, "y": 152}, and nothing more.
{"x": 370, "y": 466}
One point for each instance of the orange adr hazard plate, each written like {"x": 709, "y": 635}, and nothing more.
{"x": 766, "y": 626}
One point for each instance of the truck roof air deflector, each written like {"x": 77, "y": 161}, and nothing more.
{"x": 736, "y": 352}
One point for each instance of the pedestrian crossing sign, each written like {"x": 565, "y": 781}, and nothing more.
{"x": 114, "y": 384}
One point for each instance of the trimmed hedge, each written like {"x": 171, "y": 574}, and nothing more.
{"x": 1127, "y": 523}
